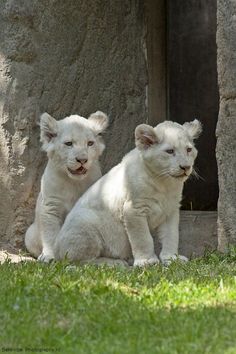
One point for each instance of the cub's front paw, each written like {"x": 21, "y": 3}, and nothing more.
{"x": 166, "y": 259}
{"x": 142, "y": 262}
{"x": 46, "y": 258}
{"x": 183, "y": 258}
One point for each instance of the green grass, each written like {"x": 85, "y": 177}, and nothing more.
{"x": 186, "y": 308}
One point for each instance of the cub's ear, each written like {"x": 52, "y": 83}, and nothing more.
{"x": 193, "y": 128}
{"x": 98, "y": 122}
{"x": 48, "y": 128}
{"x": 145, "y": 136}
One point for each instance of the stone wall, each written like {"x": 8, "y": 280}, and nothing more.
{"x": 64, "y": 57}
{"x": 226, "y": 128}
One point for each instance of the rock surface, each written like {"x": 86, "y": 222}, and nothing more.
{"x": 71, "y": 56}
{"x": 64, "y": 57}
{"x": 10, "y": 254}
{"x": 226, "y": 128}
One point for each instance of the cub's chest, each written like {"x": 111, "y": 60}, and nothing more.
{"x": 160, "y": 209}
{"x": 70, "y": 197}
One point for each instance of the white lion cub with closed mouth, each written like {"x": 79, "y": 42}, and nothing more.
{"x": 73, "y": 147}
{"x": 114, "y": 220}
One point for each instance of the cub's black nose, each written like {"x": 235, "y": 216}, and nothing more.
{"x": 82, "y": 161}
{"x": 185, "y": 167}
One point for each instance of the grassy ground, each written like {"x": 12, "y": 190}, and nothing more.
{"x": 186, "y": 308}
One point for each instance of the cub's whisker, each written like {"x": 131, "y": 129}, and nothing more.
{"x": 196, "y": 175}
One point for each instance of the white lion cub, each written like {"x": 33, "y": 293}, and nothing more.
{"x": 73, "y": 147}
{"x": 114, "y": 219}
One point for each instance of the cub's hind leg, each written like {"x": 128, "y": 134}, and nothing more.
{"x": 33, "y": 241}
{"x": 75, "y": 246}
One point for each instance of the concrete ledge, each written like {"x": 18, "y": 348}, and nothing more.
{"x": 198, "y": 232}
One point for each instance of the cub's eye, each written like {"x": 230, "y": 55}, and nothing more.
{"x": 68, "y": 143}
{"x": 170, "y": 151}
{"x": 90, "y": 143}
{"x": 189, "y": 149}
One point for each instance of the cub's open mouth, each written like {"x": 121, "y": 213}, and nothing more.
{"x": 80, "y": 171}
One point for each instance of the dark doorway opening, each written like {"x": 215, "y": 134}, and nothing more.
{"x": 192, "y": 90}
{"x": 182, "y": 49}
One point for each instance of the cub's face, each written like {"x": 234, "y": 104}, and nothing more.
{"x": 73, "y": 143}
{"x": 168, "y": 149}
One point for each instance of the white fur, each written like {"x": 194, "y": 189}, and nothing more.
{"x": 115, "y": 218}
{"x": 73, "y": 147}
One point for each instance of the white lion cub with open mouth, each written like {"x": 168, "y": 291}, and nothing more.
{"x": 114, "y": 220}
{"x": 73, "y": 147}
